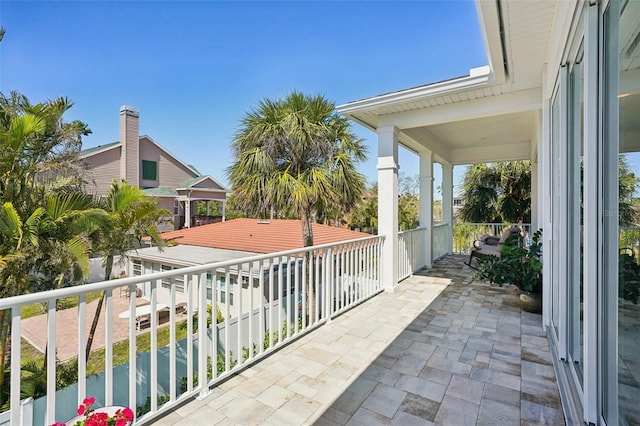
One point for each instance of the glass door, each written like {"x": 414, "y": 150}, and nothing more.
{"x": 621, "y": 148}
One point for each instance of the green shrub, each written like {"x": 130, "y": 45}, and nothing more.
{"x": 517, "y": 265}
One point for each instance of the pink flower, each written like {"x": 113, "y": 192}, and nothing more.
{"x": 127, "y": 413}
{"x": 122, "y": 417}
{"x": 97, "y": 419}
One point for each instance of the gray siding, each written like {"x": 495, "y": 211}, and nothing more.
{"x": 103, "y": 168}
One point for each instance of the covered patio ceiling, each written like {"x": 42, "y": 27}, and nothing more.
{"x": 491, "y": 115}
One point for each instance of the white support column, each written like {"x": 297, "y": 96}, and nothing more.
{"x": 187, "y": 212}
{"x": 426, "y": 201}
{"x": 224, "y": 210}
{"x": 208, "y": 207}
{"x": 388, "y": 203}
{"x": 447, "y": 202}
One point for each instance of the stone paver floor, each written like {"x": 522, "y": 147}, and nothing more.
{"x": 441, "y": 350}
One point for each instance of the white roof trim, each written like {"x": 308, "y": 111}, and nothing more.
{"x": 99, "y": 151}
{"x": 205, "y": 177}
{"x": 477, "y": 77}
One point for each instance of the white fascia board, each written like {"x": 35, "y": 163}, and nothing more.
{"x": 202, "y": 190}
{"x": 99, "y": 151}
{"x": 490, "y": 30}
{"x": 477, "y": 77}
{"x": 564, "y": 14}
{"x": 524, "y": 100}
{"x": 203, "y": 178}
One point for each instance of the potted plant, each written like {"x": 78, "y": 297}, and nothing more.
{"x": 104, "y": 416}
{"x": 520, "y": 265}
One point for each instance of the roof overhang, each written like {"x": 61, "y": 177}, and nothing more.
{"x": 492, "y": 114}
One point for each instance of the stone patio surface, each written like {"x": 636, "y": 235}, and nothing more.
{"x": 441, "y": 349}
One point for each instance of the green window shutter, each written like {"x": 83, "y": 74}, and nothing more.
{"x": 149, "y": 170}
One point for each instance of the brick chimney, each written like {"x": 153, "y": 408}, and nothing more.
{"x": 130, "y": 141}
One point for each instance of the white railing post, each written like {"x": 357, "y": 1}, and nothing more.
{"x": 82, "y": 344}
{"x": 16, "y": 335}
{"x": 108, "y": 348}
{"x": 51, "y": 361}
{"x": 202, "y": 335}
{"x": 329, "y": 283}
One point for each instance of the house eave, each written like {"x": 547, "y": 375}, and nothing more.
{"x": 477, "y": 77}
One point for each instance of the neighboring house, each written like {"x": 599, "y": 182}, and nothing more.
{"x": 143, "y": 162}
{"x": 230, "y": 240}
{"x": 561, "y": 89}
{"x": 458, "y": 203}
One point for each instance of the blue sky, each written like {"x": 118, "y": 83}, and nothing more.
{"x": 193, "y": 69}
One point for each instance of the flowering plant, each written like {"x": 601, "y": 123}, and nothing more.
{"x": 122, "y": 416}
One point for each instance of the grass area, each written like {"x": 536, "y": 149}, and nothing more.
{"x": 28, "y": 352}
{"x": 121, "y": 349}
{"x": 68, "y": 302}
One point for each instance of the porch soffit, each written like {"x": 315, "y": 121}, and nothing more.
{"x": 458, "y": 121}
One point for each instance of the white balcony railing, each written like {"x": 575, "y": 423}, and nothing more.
{"x": 276, "y": 298}
{"x": 439, "y": 245}
{"x": 411, "y": 251}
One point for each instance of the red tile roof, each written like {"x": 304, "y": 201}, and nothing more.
{"x": 257, "y": 235}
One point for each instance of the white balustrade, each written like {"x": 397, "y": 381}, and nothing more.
{"x": 411, "y": 251}
{"x": 268, "y": 300}
{"x": 439, "y": 246}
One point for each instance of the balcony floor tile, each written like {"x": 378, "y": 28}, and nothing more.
{"x": 440, "y": 349}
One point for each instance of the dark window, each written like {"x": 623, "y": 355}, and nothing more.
{"x": 149, "y": 170}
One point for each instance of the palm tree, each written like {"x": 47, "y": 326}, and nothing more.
{"x": 131, "y": 216}
{"x": 42, "y": 236}
{"x": 498, "y": 192}
{"x": 296, "y": 157}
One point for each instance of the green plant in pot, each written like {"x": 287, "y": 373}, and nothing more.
{"x": 518, "y": 265}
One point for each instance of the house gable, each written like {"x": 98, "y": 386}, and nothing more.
{"x": 170, "y": 171}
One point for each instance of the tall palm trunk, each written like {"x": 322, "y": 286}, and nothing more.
{"x": 96, "y": 317}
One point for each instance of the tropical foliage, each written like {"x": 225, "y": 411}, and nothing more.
{"x": 499, "y": 192}
{"x": 48, "y": 227}
{"x": 45, "y": 236}
{"x": 364, "y": 216}
{"x": 296, "y": 157}
{"x": 131, "y": 216}
{"x": 518, "y": 264}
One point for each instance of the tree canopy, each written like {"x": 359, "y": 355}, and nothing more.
{"x": 296, "y": 157}
{"x": 499, "y": 192}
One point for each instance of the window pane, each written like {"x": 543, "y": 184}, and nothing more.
{"x": 149, "y": 170}
{"x": 576, "y": 174}
{"x": 622, "y": 130}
